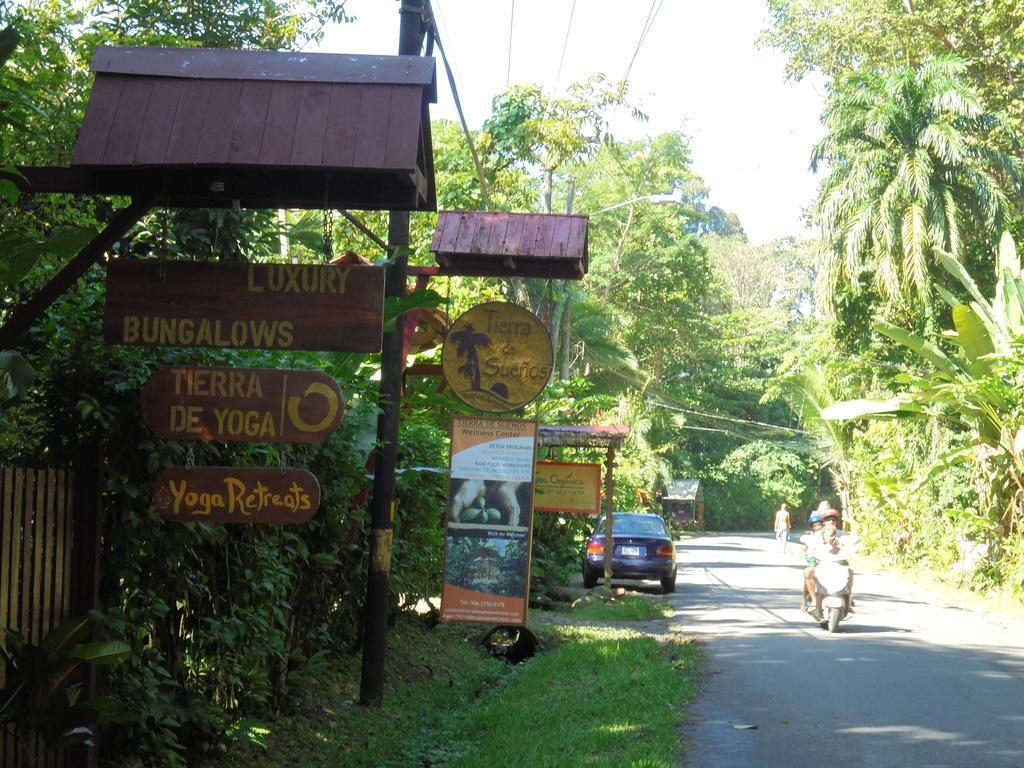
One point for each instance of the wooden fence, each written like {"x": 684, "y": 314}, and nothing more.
{"x": 48, "y": 567}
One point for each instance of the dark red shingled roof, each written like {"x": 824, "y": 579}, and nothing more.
{"x": 511, "y": 244}
{"x": 264, "y": 128}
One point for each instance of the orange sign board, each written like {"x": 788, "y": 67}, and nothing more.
{"x": 489, "y": 521}
{"x": 568, "y": 488}
{"x": 321, "y": 307}
{"x": 236, "y": 495}
{"x": 256, "y": 405}
{"x": 497, "y": 357}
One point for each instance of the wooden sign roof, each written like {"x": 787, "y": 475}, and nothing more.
{"x": 511, "y": 244}
{"x": 582, "y": 436}
{"x": 208, "y": 127}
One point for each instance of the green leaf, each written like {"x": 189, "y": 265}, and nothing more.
{"x": 1007, "y": 257}
{"x": 105, "y": 652}
{"x": 396, "y": 306}
{"x": 18, "y": 253}
{"x": 59, "y": 643}
{"x": 1013, "y": 303}
{"x": 9, "y": 191}
{"x": 924, "y": 348}
{"x": 972, "y": 335}
{"x": 16, "y": 376}
{"x": 956, "y": 269}
{"x": 947, "y": 296}
{"x": 941, "y": 464}
{"x": 109, "y": 710}
{"x": 858, "y": 409}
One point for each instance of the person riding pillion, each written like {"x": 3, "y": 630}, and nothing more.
{"x": 811, "y": 540}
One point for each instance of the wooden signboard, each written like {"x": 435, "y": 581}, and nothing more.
{"x": 497, "y": 357}
{"x": 251, "y": 405}
{"x": 567, "y": 488}
{"x": 320, "y": 307}
{"x": 236, "y": 495}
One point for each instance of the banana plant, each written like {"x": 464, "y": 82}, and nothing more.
{"x": 41, "y": 694}
{"x": 981, "y": 386}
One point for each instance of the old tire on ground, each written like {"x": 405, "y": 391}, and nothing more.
{"x": 514, "y": 644}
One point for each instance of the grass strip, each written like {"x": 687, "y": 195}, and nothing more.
{"x": 604, "y": 698}
{"x": 594, "y": 696}
{"x": 628, "y": 608}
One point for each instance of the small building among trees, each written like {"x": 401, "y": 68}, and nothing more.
{"x": 682, "y": 503}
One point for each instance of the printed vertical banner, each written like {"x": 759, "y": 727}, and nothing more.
{"x": 489, "y": 521}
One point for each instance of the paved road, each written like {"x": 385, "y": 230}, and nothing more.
{"x": 906, "y": 682}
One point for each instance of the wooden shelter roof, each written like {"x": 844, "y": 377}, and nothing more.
{"x": 511, "y": 244}
{"x": 584, "y": 436}
{"x": 207, "y": 127}
{"x": 683, "y": 489}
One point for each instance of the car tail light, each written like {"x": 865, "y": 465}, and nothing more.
{"x": 665, "y": 550}
{"x": 595, "y": 547}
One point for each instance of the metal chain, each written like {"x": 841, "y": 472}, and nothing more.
{"x": 328, "y": 216}
{"x": 161, "y": 267}
{"x": 282, "y": 459}
{"x": 190, "y": 456}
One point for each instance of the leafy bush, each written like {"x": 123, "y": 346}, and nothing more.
{"x": 751, "y": 482}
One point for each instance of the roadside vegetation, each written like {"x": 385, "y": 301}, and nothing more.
{"x": 602, "y": 695}
{"x": 876, "y": 365}
{"x": 911, "y": 382}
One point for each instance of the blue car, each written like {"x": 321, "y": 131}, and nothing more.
{"x": 642, "y": 548}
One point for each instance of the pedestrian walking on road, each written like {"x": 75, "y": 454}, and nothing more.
{"x": 782, "y": 526}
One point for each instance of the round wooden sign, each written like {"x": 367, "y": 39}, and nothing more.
{"x": 497, "y": 357}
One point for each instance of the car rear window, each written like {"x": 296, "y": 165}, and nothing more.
{"x": 634, "y": 525}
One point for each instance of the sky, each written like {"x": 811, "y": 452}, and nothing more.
{"x": 698, "y": 70}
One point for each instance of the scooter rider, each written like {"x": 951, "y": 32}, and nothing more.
{"x": 834, "y": 546}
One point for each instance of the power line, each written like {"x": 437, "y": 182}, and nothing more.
{"x": 458, "y": 108}
{"x": 652, "y": 14}
{"x": 565, "y": 44}
{"x": 511, "y": 26}
{"x": 728, "y": 418}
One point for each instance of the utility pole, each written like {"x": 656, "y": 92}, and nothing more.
{"x": 382, "y": 504}
{"x": 565, "y": 365}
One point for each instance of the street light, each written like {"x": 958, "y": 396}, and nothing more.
{"x": 675, "y": 196}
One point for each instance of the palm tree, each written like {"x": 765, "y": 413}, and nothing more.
{"x": 912, "y": 169}
{"x": 468, "y": 340}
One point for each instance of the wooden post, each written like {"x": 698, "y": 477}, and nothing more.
{"x": 382, "y": 504}
{"x": 609, "y": 494}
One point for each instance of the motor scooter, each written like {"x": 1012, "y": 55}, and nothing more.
{"x": 832, "y": 599}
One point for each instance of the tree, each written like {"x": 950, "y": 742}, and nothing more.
{"x": 808, "y": 392}
{"x": 837, "y": 37}
{"x": 910, "y": 171}
{"x": 533, "y": 132}
{"x": 777, "y": 276}
{"x": 977, "y": 389}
